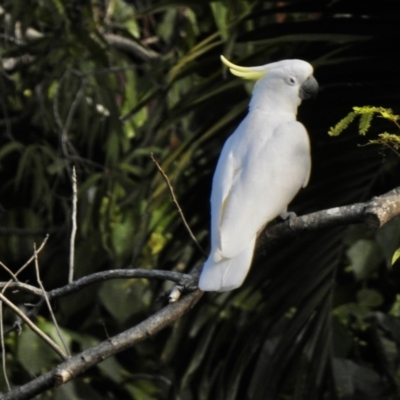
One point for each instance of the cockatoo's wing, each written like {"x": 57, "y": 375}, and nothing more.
{"x": 272, "y": 172}
{"x": 222, "y": 183}
{"x": 228, "y": 170}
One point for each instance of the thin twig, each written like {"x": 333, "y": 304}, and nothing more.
{"x": 171, "y": 190}
{"x": 74, "y": 226}
{"x": 9, "y": 271}
{"x": 79, "y": 363}
{"x": 53, "y": 317}
{"x": 17, "y": 286}
{"x": 81, "y": 283}
{"x": 32, "y": 258}
{"x": 10, "y": 282}
{"x": 26, "y": 264}
{"x": 3, "y": 348}
{"x": 34, "y": 328}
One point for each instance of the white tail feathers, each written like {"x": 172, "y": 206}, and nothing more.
{"x": 227, "y": 274}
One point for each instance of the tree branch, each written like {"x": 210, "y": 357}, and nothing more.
{"x": 115, "y": 274}
{"x": 81, "y": 283}
{"x": 175, "y": 200}
{"x": 34, "y": 328}
{"x": 94, "y": 355}
{"x": 374, "y": 214}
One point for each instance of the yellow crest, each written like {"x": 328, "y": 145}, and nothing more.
{"x": 253, "y": 73}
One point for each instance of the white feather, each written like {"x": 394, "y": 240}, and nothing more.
{"x": 228, "y": 273}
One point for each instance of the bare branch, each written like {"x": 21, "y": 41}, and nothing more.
{"x": 374, "y": 214}
{"x": 53, "y": 317}
{"x": 81, "y": 283}
{"x": 9, "y": 271}
{"x": 22, "y": 286}
{"x": 94, "y": 355}
{"x": 26, "y": 264}
{"x": 3, "y": 348}
{"x": 382, "y": 209}
{"x": 74, "y": 226}
{"x": 34, "y": 328}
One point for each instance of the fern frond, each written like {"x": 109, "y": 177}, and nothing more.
{"x": 387, "y": 139}
{"x": 369, "y": 110}
{"x": 342, "y": 124}
{"x": 388, "y": 114}
{"x": 384, "y": 112}
{"x": 365, "y": 123}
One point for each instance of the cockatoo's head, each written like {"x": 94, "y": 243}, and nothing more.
{"x": 283, "y": 83}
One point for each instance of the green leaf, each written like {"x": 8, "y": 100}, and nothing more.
{"x": 396, "y": 256}
{"x": 10, "y": 148}
{"x": 365, "y": 123}
{"x": 342, "y": 124}
{"x": 125, "y": 298}
{"x": 220, "y": 12}
{"x": 388, "y": 238}
{"x": 369, "y": 298}
{"x": 365, "y": 256}
{"x": 34, "y": 354}
{"x": 112, "y": 369}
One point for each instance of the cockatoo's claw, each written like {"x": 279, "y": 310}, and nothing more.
{"x": 187, "y": 284}
{"x": 289, "y": 216}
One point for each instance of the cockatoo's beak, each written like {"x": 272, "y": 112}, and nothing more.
{"x": 253, "y": 73}
{"x": 309, "y": 88}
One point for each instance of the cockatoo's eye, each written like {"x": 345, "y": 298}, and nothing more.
{"x": 291, "y": 80}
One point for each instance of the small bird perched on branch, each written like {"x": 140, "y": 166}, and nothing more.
{"x": 262, "y": 166}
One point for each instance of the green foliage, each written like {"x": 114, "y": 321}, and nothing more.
{"x": 342, "y": 124}
{"x": 387, "y": 139}
{"x": 396, "y": 256}
{"x": 73, "y": 98}
{"x": 366, "y": 114}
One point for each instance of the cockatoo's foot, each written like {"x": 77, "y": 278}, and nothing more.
{"x": 188, "y": 283}
{"x": 288, "y": 215}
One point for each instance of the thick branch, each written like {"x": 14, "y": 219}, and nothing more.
{"x": 382, "y": 209}
{"x": 94, "y": 355}
{"x": 374, "y": 214}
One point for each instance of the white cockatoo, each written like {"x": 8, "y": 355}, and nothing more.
{"x": 262, "y": 166}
